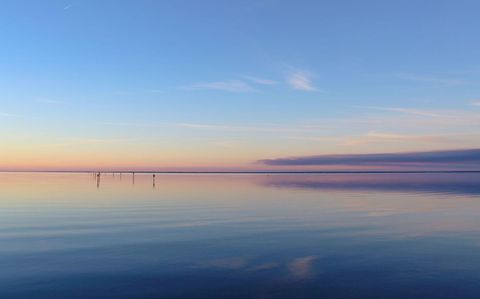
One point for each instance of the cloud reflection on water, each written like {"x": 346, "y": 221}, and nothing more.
{"x": 456, "y": 183}
{"x": 303, "y": 267}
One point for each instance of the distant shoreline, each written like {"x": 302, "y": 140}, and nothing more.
{"x": 241, "y": 172}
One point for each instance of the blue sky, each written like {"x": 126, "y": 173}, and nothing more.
{"x": 224, "y": 83}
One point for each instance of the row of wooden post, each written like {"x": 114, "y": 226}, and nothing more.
{"x": 98, "y": 175}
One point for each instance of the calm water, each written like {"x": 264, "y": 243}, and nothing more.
{"x": 240, "y": 236}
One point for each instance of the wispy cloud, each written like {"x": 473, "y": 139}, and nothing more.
{"x": 226, "y": 143}
{"x": 377, "y": 137}
{"x": 261, "y": 81}
{"x": 403, "y": 110}
{"x": 86, "y": 140}
{"x": 476, "y": 103}
{"x": 154, "y": 91}
{"x": 442, "y": 157}
{"x": 300, "y": 80}
{"x": 5, "y": 114}
{"x": 68, "y": 6}
{"x": 432, "y": 79}
{"x": 81, "y": 141}
{"x": 135, "y": 124}
{"x": 381, "y": 137}
{"x": 240, "y": 128}
{"x": 48, "y": 101}
{"x": 230, "y": 85}
{"x": 326, "y": 139}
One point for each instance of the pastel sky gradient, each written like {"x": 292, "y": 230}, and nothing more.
{"x": 222, "y": 85}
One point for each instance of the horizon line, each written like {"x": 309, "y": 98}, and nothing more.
{"x": 242, "y": 172}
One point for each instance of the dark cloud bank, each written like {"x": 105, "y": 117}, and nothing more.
{"x": 469, "y": 156}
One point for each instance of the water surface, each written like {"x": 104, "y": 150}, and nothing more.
{"x": 240, "y": 236}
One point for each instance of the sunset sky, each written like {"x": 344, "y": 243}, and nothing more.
{"x": 238, "y": 85}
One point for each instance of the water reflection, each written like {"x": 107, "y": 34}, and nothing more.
{"x": 239, "y": 236}
{"x": 459, "y": 183}
{"x": 98, "y": 180}
{"x": 99, "y": 174}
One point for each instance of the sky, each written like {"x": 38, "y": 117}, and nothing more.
{"x": 235, "y": 85}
